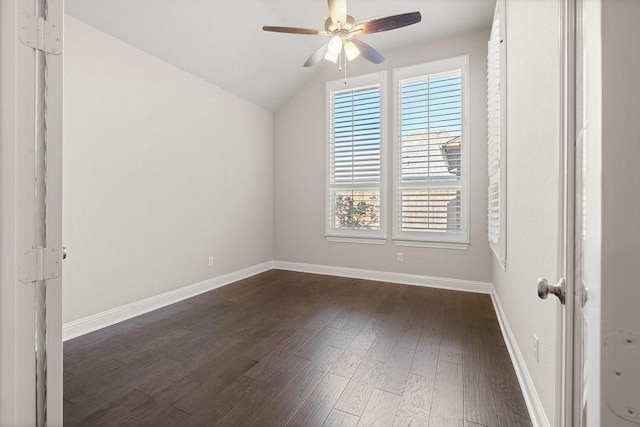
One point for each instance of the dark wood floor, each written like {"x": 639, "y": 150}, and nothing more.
{"x": 285, "y": 348}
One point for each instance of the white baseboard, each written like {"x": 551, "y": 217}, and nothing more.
{"x": 110, "y": 317}
{"x": 531, "y": 397}
{"x": 386, "y": 276}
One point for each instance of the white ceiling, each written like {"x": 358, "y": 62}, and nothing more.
{"x": 223, "y": 41}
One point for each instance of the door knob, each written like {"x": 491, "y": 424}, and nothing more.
{"x": 544, "y": 289}
{"x": 64, "y": 253}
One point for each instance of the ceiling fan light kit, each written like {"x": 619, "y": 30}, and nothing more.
{"x": 343, "y": 29}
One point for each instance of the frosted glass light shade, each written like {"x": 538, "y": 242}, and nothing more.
{"x": 351, "y": 50}
{"x": 333, "y": 57}
{"x": 335, "y": 45}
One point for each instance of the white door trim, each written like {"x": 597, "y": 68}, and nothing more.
{"x": 17, "y": 124}
{"x": 565, "y": 366}
{"x": 17, "y": 405}
{"x": 592, "y": 27}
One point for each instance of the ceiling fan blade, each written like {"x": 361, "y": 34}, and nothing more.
{"x": 388, "y": 23}
{"x": 317, "y": 56}
{"x": 338, "y": 11}
{"x": 368, "y": 52}
{"x": 291, "y": 30}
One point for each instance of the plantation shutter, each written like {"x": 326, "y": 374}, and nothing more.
{"x": 355, "y": 136}
{"x": 431, "y": 173}
{"x": 493, "y": 114}
{"x": 355, "y": 161}
{"x": 495, "y": 96}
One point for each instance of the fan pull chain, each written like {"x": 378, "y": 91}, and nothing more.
{"x": 345, "y": 69}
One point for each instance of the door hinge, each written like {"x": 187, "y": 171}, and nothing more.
{"x": 40, "y": 264}
{"x": 40, "y": 34}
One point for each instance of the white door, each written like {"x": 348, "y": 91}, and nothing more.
{"x": 31, "y": 214}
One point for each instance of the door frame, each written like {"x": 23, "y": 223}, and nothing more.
{"x": 584, "y": 17}
{"x": 565, "y": 368}
{"x": 17, "y": 213}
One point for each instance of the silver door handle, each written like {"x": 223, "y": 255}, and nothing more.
{"x": 544, "y": 289}
{"x": 64, "y": 253}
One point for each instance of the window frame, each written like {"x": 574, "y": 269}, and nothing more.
{"x": 431, "y": 239}
{"x": 333, "y": 234}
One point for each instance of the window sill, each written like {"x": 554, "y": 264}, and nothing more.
{"x": 434, "y": 245}
{"x": 364, "y": 240}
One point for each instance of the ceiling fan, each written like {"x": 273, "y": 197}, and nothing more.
{"x": 343, "y": 29}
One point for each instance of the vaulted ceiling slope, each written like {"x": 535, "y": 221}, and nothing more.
{"x": 223, "y": 42}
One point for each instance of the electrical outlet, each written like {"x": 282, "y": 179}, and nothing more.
{"x": 536, "y": 348}
{"x": 399, "y": 257}
{"x": 210, "y": 261}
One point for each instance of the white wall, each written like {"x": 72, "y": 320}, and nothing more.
{"x": 620, "y": 198}
{"x": 161, "y": 170}
{"x": 533, "y": 145}
{"x": 300, "y": 174}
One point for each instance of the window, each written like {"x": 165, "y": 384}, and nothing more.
{"x": 496, "y": 103}
{"x": 355, "y": 143}
{"x": 430, "y": 179}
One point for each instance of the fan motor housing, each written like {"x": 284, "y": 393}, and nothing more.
{"x": 331, "y": 27}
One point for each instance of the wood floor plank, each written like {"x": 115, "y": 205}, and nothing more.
{"x": 158, "y": 383}
{"x": 358, "y": 391}
{"x": 342, "y": 338}
{"x": 381, "y": 409}
{"x": 318, "y": 406}
{"x": 340, "y": 419}
{"x": 452, "y": 337}
{"x": 389, "y": 334}
{"x": 117, "y": 412}
{"x": 284, "y": 405}
{"x": 100, "y": 396}
{"x": 510, "y": 405}
{"x": 170, "y": 417}
{"x": 317, "y": 343}
{"x": 467, "y": 423}
{"x": 347, "y": 364}
{"x": 169, "y": 339}
{"x": 282, "y": 374}
{"x": 425, "y": 360}
{"x": 325, "y": 358}
{"x": 158, "y": 402}
{"x": 265, "y": 367}
{"x": 410, "y": 335}
{"x": 447, "y": 403}
{"x": 103, "y": 369}
{"x": 396, "y": 371}
{"x": 479, "y": 402}
{"x": 209, "y": 402}
{"x": 242, "y": 411}
{"x": 415, "y": 405}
